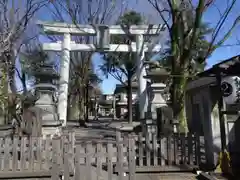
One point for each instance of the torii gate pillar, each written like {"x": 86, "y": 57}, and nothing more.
{"x": 64, "y": 79}
{"x": 142, "y": 82}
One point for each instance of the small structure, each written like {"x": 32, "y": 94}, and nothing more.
{"x": 121, "y": 99}
{"x": 213, "y": 107}
{"x": 106, "y": 105}
{"x": 46, "y": 105}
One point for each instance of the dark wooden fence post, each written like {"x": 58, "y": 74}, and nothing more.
{"x": 131, "y": 157}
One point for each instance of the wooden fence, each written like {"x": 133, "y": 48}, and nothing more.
{"x": 38, "y": 157}
{"x": 177, "y": 152}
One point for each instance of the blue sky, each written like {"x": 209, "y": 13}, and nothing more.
{"x": 211, "y": 16}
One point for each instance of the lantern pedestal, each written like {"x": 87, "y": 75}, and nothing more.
{"x": 6, "y": 130}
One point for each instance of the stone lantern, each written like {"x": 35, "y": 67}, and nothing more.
{"x": 156, "y": 88}
{"x": 45, "y": 90}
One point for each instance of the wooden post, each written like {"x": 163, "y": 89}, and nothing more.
{"x": 140, "y": 149}
{"x": 114, "y": 107}
{"x": 89, "y": 149}
{"x": 7, "y": 153}
{"x": 15, "y": 153}
{"x": 109, "y": 160}
{"x": 148, "y": 147}
{"x": 131, "y": 157}
{"x": 65, "y": 159}
{"x": 55, "y": 167}
{"x": 23, "y": 154}
{"x": 221, "y": 110}
{"x": 99, "y": 160}
{"x": 120, "y": 156}
{"x": 77, "y": 163}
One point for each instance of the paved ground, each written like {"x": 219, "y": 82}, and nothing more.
{"x": 103, "y": 127}
{"x": 110, "y": 123}
{"x": 166, "y": 176}
{"x": 140, "y": 176}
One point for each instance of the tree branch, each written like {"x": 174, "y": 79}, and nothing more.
{"x": 156, "y": 6}
{"x": 218, "y": 27}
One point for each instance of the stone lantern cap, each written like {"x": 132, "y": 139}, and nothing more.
{"x": 46, "y": 71}
{"x": 159, "y": 74}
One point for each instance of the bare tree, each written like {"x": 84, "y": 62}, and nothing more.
{"x": 183, "y": 19}
{"x": 15, "y": 17}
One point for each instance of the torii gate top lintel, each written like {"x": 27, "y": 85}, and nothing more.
{"x": 79, "y": 29}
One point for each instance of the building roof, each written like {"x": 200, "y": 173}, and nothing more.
{"x": 226, "y": 67}
{"x": 106, "y": 99}
{"x": 105, "y": 102}
{"x": 121, "y": 87}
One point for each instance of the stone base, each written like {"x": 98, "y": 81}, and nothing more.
{"x": 6, "y": 130}
{"x": 149, "y": 126}
{"x": 73, "y": 123}
{"x": 51, "y": 123}
{"x": 127, "y": 127}
{"x": 51, "y": 131}
{"x": 124, "y": 126}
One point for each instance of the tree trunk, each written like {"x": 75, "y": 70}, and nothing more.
{"x": 12, "y": 84}
{"x": 86, "y": 103}
{"x": 73, "y": 113}
{"x": 3, "y": 95}
{"x": 11, "y": 70}
{"x": 24, "y": 83}
{"x": 129, "y": 100}
{"x": 178, "y": 102}
{"x": 81, "y": 104}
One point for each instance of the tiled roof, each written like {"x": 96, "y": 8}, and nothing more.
{"x": 227, "y": 67}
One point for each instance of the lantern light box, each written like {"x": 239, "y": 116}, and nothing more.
{"x": 230, "y": 87}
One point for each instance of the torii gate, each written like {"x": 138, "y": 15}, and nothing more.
{"x": 103, "y": 44}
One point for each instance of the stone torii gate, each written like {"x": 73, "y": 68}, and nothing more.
{"x": 103, "y": 33}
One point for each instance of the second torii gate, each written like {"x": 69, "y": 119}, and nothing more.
{"x": 103, "y": 44}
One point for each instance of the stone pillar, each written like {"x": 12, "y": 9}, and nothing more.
{"x": 64, "y": 78}
{"x": 48, "y": 113}
{"x": 141, "y": 72}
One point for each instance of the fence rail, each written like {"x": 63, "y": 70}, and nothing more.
{"x": 46, "y": 157}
